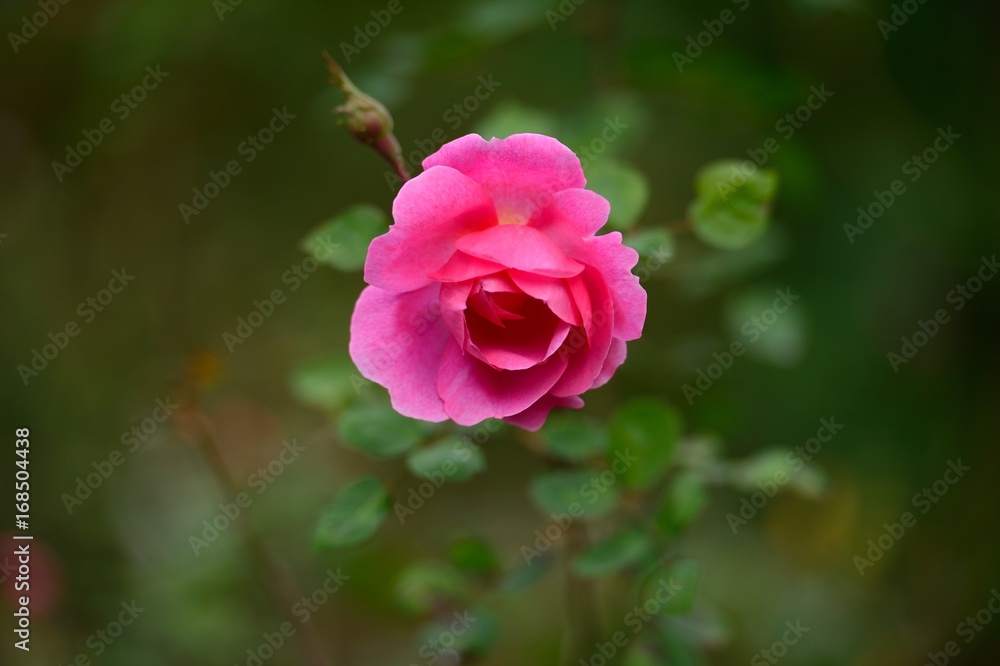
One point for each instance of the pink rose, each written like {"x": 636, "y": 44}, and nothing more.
{"x": 490, "y": 296}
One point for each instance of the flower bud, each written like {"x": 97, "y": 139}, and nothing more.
{"x": 366, "y": 118}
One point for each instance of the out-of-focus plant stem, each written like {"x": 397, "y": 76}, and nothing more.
{"x": 581, "y": 608}
{"x": 282, "y": 587}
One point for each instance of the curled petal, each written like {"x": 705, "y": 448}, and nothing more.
{"x": 397, "y": 340}
{"x": 430, "y": 213}
{"x": 616, "y": 356}
{"x": 473, "y": 391}
{"x": 534, "y": 417}
{"x": 615, "y": 262}
{"x": 585, "y": 354}
{"x": 582, "y": 211}
{"x": 522, "y": 172}
{"x": 520, "y": 247}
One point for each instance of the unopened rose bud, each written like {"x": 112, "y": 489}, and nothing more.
{"x": 367, "y": 119}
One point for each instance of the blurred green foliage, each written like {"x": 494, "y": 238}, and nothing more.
{"x": 162, "y": 336}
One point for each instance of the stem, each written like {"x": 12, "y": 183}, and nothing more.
{"x": 282, "y": 586}
{"x": 584, "y": 622}
{"x": 367, "y": 119}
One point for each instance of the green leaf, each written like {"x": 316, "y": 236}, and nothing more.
{"x": 678, "y": 649}
{"x": 684, "y": 500}
{"x": 705, "y": 628}
{"x": 773, "y": 470}
{"x": 327, "y": 383}
{"x": 699, "y": 452}
{"x": 475, "y": 556}
{"x": 655, "y": 244}
{"x": 643, "y": 436}
{"x": 450, "y": 459}
{"x": 612, "y": 554}
{"x": 674, "y": 585}
{"x": 527, "y": 575}
{"x": 763, "y": 467}
{"x": 778, "y": 337}
{"x": 343, "y": 240}
{"x": 576, "y": 493}
{"x": 470, "y": 633}
{"x": 354, "y": 515}
{"x": 623, "y": 186}
{"x": 380, "y": 430}
{"x": 574, "y": 438}
{"x": 733, "y": 202}
{"x": 423, "y": 586}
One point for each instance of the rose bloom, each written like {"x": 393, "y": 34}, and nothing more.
{"x": 490, "y": 295}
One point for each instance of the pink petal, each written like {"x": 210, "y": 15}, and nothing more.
{"x": 553, "y": 292}
{"x": 454, "y": 298}
{"x": 489, "y": 306}
{"x": 534, "y": 417}
{"x": 473, "y": 391}
{"x": 583, "y": 211}
{"x": 397, "y": 340}
{"x": 586, "y": 356}
{"x": 616, "y": 356}
{"x": 524, "y": 248}
{"x": 430, "y": 212}
{"x": 521, "y": 172}
{"x": 461, "y": 266}
{"x": 581, "y": 301}
{"x": 518, "y": 344}
{"x": 499, "y": 282}
{"x": 615, "y": 262}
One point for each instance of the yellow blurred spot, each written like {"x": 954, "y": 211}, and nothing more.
{"x": 204, "y": 367}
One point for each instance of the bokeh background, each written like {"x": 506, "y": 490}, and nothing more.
{"x": 230, "y": 65}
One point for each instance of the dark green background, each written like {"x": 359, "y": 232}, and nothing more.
{"x": 120, "y": 208}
